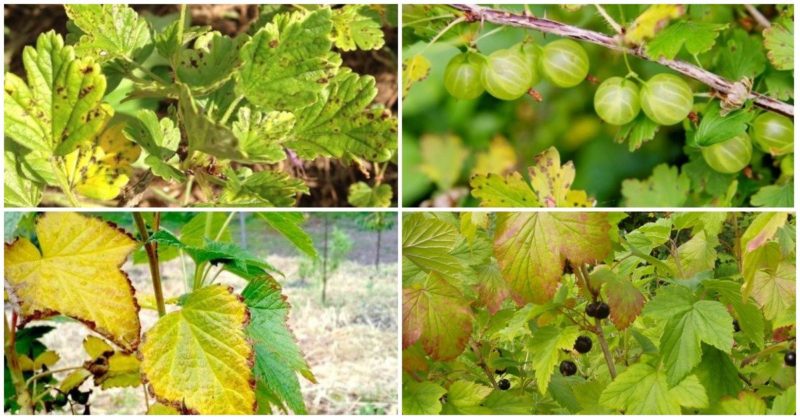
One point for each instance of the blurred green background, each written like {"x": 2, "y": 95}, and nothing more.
{"x": 565, "y": 118}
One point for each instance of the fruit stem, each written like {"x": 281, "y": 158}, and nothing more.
{"x": 152, "y": 258}
{"x": 482, "y": 362}
{"x": 604, "y": 345}
{"x": 23, "y": 396}
{"x": 443, "y": 31}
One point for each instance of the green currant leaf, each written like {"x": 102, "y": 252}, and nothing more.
{"x": 531, "y": 248}
{"x": 421, "y": 398}
{"x": 362, "y": 195}
{"x": 109, "y": 31}
{"x": 203, "y": 133}
{"x": 508, "y": 403}
{"x": 428, "y": 243}
{"x": 785, "y": 403}
{"x": 278, "y": 357}
{"x": 288, "y": 63}
{"x": 159, "y": 140}
{"x": 465, "y": 397}
{"x": 61, "y": 105}
{"x": 262, "y": 135}
{"x": 696, "y": 37}
{"x": 751, "y": 321}
{"x": 288, "y": 225}
{"x": 637, "y": 132}
{"x": 211, "y": 62}
{"x": 665, "y": 188}
{"x": 340, "y": 124}
{"x": 715, "y": 128}
{"x": 642, "y": 389}
{"x": 545, "y": 347}
{"x": 746, "y": 403}
{"x": 357, "y": 26}
{"x": 19, "y": 191}
{"x": 436, "y": 314}
{"x": 718, "y": 375}
{"x": 696, "y": 255}
{"x": 779, "y": 42}
{"x": 199, "y": 357}
{"x": 742, "y": 56}
{"x": 689, "y": 324}
{"x": 780, "y": 84}
{"x": 775, "y": 196}
{"x": 260, "y": 189}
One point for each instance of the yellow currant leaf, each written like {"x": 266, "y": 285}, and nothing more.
{"x": 198, "y": 357}
{"x": 652, "y": 21}
{"x": 110, "y": 368}
{"x": 160, "y": 409}
{"x": 25, "y": 363}
{"x": 46, "y": 358}
{"x": 75, "y": 272}
{"x": 500, "y": 158}
{"x": 74, "y": 380}
{"x": 415, "y": 69}
{"x": 101, "y": 169}
{"x": 551, "y": 182}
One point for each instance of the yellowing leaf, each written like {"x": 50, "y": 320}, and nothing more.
{"x": 415, "y": 69}
{"x": 774, "y": 289}
{"x": 161, "y": 409}
{"x": 96, "y": 347}
{"x": 101, "y": 169}
{"x": 74, "y": 380}
{"x": 110, "y": 368}
{"x": 199, "y": 357}
{"x": 500, "y": 158}
{"x": 443, "y": 157}
{"x": 653, "y": 20}
{"x": 436, "y": 314}
{"x": 625, "y": 300}
{"x": 531, "y": 248}
{"x": 550, "y": 184}
{"x": 75, "y": 272}
{"x": 46, "y": 358}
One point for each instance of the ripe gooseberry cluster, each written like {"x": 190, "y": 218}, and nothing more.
{"x": 510, "y": 73}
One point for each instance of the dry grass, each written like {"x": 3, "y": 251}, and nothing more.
{"x": 350, "y": 343}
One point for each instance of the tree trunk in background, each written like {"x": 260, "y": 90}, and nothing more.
{"x": 325, "y": 260}
{"x": 242, "y": 231}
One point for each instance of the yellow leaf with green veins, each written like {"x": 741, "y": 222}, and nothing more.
{"x": 75, "y": 272}
{"x": 199, "y": 356}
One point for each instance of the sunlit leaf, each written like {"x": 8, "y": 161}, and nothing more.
{"x": 74, "y": 271}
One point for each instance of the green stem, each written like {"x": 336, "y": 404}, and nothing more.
{"x": 146, "y": 71}
{"x": 766, "y": 351}
{"x": 229, "y": 111}
{"x": 187, "y": 193}
{"x": 611, "y": 22}
{"x": 152, "y": 258}
{"x": 224, "y": 226}
{"x": 51, "y": 372}
{"x": 23, "y": 396}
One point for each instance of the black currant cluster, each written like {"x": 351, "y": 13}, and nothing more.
{"x": 598, "y": 310}
{"x": 75, "y": 397}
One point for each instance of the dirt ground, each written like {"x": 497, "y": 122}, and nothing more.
{"x": 351, "y": 343}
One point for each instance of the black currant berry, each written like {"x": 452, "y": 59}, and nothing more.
{"x": 736, "y": 327}
{"x": 583, "y": 344}
{"x": 602, "y": 311}
{"x": 60, "y": 400}
{"x": 78, "y": 396}
{"x": 591, "y": 309}
{"x": 504, "y": 384}
{"x": 500, "y": 372}
{"x": 567, "y": 368}
{"x": 790, "y": 358}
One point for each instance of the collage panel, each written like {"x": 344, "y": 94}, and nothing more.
{"x": 640, "y": 313}
{"x": 201, "y": 313}
{"x": 219, "y": 105}
{"x": 555, "y": 105}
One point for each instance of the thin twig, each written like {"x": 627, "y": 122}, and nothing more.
{"x": 601, "y": 337}
{"x": 757, "y": 16}
{"x": 482, "y": 363}
{"x": 474, "y": 13}
{"x": 152, "y": 258}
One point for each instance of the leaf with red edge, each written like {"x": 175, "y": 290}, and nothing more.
{"x": 531, "y": 248}
{"x": 625, "y": 301}
{"x": 492, "y": 289}
{"x": 437, "y": 315}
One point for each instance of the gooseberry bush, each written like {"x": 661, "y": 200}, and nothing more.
{"x": 128, "y": 106}
{"x": 715, "y": 80}
{"x": 212, "y": 350}
{"x": 599, "y": 313}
